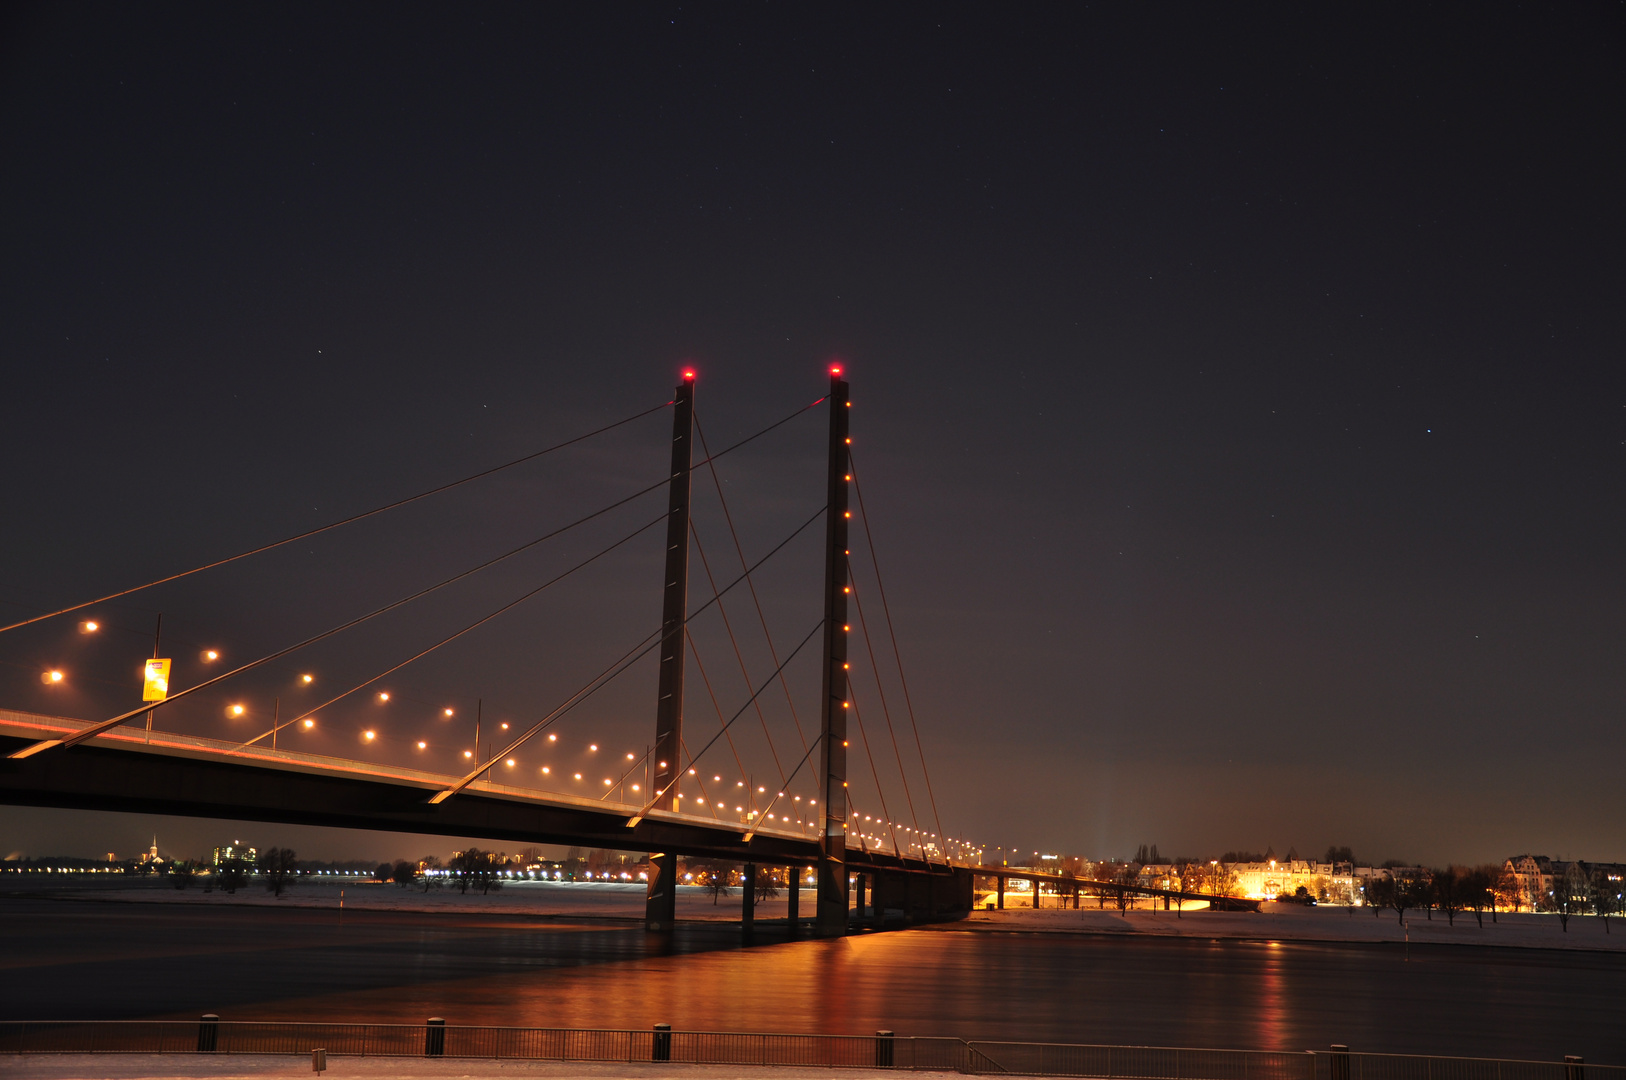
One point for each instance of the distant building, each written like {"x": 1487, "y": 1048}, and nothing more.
{"x": 235, "y": 850}
{"x": 1536, "y": 876}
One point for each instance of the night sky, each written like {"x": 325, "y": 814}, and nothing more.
{"x": 1234, "y": 395}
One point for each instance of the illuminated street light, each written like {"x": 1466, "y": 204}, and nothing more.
{"x": 422, "y": 745}
{"x": 52, "y": 677}
{"x": 510, "y": 763}
{"x": 383, "y": 695}
{"x": 468, "y": 753}
{"x": 89, "y": 626}
{"x": 592, "y": 747}
{"x": 236, "y": 710}
{"x": 553, "y": 738}
{"x": 309, "y": 724}
{"x": 448, "y": 712}
{"x": 369, "y": 735}
{"x": 307, "y": 679}
{"x": 210, "y": 656}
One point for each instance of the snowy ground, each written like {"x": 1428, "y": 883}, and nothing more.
{"x": 1290, "y": 922}
{"x": 255, "y": 1066}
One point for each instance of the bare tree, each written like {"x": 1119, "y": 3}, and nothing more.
{"x": 233, "y": 875}
{"x": 1478, "y": 893}
{"x": 713, "y": 876}
{"x": 279, "y": 866}
{"x": 1606, "y": 897}
{"x": 180, "y": 874}
{"x": 767, "y": 884}
{"x": 427, "y": 876}
{"x": 476, "y": 869}
{"x": 1571, "y": 894}
{"x": 1448, "y": 892}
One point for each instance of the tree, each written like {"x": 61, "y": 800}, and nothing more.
{"x": 1448, "y": 892}
{"x": 1606, "y": 897}
{"x": 428, "y": 878}
{"x": 1337, "y": 855}
{"x": 1509, "y": 890}
{"x": 1477, "y": 892}
{"x": 1128, "y": 874}
{"x": 279, "y": 865}
{"x": 1421, "y": 890}
{"x": 476, "y": 869}
{"x": 180, "y": 874}
{"x": 1571, "y": 894}
{"x": 1380, "y": 893}
{"x": 713, "y": 876}
{"x": 404, "y": 874}
{"x": 767, "y": 884}
{"x": 384, "y": 871}
{"x": 233, "y": 875}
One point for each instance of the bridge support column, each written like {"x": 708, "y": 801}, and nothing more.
{"x": 793, "y": 887}
{"x": 748, "y": 902}
{"x": 1001, "y": 893}
{"x": 858, "y": 897}
{"x": 1075, "y": 897}
{"x": 832, "y": 872}
{"x": 660, "y": 903}
{"x": 1035, "y": 892}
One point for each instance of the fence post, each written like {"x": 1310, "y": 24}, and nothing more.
{"x": 1574, "y": 1067}
{"x": 662, "y": 1050}
{"x": 1339, "y": 1062}
{"x": 208, "y": 1033}
{"x": 434, "y": 1037}
{"x": 883, "y": 1049}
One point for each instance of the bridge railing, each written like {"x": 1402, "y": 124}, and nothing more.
{"x": 879, "y": 1051}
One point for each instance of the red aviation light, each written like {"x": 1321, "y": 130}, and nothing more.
{"x": 688, "y": 374}
{"x": 835, "y": 369}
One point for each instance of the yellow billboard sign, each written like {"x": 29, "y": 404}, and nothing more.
{"x": 155, "y": 683}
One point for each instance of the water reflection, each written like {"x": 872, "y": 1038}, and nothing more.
{"x": 148, "y": 960}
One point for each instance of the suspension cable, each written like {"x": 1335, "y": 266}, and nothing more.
{"x": 632, "y": 656}
{"x": 334, "y": 525}
{"x": 862, "y": 734}
{"x": 714, "y": 703}
{"x": 105, "y": 725}
{"x": 880, "y": 689}
{"x": 738, "y": 656}
{"x": 897, "y": 655}
{"x": 740, "y": 552}
{"x": 636, "y": 818}
{"x": 453, "y": 637}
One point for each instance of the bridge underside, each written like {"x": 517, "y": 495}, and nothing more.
{"x": 196, "y": 778}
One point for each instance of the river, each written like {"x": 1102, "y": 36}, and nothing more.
{"x": 71, "y": 959}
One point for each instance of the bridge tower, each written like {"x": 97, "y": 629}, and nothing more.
{"x": 660, "y": 903}
{"x": 832, "y": 873}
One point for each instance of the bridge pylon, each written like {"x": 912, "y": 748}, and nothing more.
{"x": 832, "y": 874}
{"x": 660, "y": 903}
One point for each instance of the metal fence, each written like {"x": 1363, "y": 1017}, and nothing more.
{"x": 884, "y": 1050}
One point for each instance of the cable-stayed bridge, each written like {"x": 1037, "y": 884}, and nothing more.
{"x": 805, "y": 813}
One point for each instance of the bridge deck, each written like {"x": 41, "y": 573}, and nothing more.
{"x": 196, "y": 777}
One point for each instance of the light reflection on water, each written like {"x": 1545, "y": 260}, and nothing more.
{"x": 123, "y": 961}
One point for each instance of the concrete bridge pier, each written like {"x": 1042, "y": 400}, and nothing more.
{"x": 1001, "y": 881}
{"x": 748, "y": 902}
